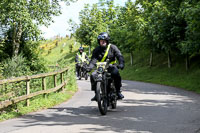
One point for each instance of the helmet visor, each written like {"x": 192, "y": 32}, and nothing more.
{"x": 102, "y": 37}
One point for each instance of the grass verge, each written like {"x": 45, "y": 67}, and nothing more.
{"x": 39, "y": 102}
{"x": 159, "y": 73}
{"x": 64, "y": 59}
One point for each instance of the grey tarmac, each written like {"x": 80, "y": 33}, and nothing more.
{"x": 146, "y": 108}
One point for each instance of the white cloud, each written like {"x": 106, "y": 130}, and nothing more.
{"x": 48, "y": 32}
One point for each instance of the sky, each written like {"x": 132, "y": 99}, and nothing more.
{"x": 60, "y": 25}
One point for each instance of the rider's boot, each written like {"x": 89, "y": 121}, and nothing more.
{"x": 94, "y": 98}
{"x": 119, "y": 94}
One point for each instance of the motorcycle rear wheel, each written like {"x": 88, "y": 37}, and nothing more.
{"x": 101, "y": 98}
{"x": 80, "y": 74}
{"x": 114, "y": 104}
{"x": 114, "y": 97}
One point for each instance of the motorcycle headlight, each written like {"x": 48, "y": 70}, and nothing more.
{"x": 100, "y": 69}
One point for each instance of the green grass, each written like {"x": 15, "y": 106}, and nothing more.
{"x": 61, "y": 56}
{"x": 37, "y": 104}
{"x": 159, "y": 73}
{"x": 63, "y": 59}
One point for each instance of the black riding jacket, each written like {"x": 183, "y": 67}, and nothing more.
{"x": 113, "y": 54}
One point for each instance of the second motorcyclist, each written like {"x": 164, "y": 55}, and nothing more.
{"x": 80, "y": 58}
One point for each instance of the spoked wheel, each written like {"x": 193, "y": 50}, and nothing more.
{"x": 80, "y": 74}
{"x": 101, "y": 98}
{"x": 114, "y": 104}
{"x": 86, "y": 76}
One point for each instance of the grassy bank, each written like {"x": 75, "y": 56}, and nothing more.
{"x": 159, "y": 73}
{"x": 58, "y": 58}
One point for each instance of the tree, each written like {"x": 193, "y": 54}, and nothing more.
{"x": 164, "y": 26}
{"x": 190, "y": 44}
{"x": 72, "y": 26}
{"x": 92, "y": 24}
{"x": 25, "y": 16}
{"x": 125, "y": 29}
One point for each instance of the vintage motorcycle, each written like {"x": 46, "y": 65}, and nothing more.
{"x": 105, "y": 89}
{"x": 83, "y": 73}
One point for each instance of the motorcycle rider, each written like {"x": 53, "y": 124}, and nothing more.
{"x": 80, "y": 57}
{"x": 104, "y": 51}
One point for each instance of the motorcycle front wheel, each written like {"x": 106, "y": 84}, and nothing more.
{"x": 101, "y": 98}
{"x": 86, "y": 76}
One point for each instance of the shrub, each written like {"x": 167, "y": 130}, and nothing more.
{"x": 15, "y": 67}
{"x": 32, "y": 54}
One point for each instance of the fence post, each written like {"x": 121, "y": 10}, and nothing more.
{"x": 27, "y": 91}
{"x": 44, "y": 85}
{"x": 65, "y": 77}
{"x": 5, "y": 87}
{"x": 61, "y": 78}
{"x": 54, "y": 77}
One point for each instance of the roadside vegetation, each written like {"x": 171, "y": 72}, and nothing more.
{"x": 24, "y": 52}
{"x": 61, "y": 55}
{"x": 160, "y": 39}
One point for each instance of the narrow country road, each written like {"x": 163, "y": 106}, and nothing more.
{"x": 146, "y": 108}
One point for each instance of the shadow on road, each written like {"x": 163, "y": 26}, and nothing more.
{"x": 143, "y": 110}
{"x": 135, "y": 115}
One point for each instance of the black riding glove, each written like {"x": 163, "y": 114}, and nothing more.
{"x": 88, "y": 69}
{"x": 121, "y": 66}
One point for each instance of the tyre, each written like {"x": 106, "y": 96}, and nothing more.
{"x": 101, "y": 98}
{"x": 114, "y": 104}
{"x": 86, "y": 76}
{"x": 80, "y": 74}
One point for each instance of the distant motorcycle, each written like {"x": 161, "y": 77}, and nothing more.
{"x": 82, "y": 71}
{"x": 105, "y": 88}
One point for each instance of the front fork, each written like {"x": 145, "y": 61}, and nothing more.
{"x": 104, "y": 83}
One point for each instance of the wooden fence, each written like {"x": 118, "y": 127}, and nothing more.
{"x": 27, "y": 79}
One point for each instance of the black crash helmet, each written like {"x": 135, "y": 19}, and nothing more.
{"x": 103, "y": 36}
